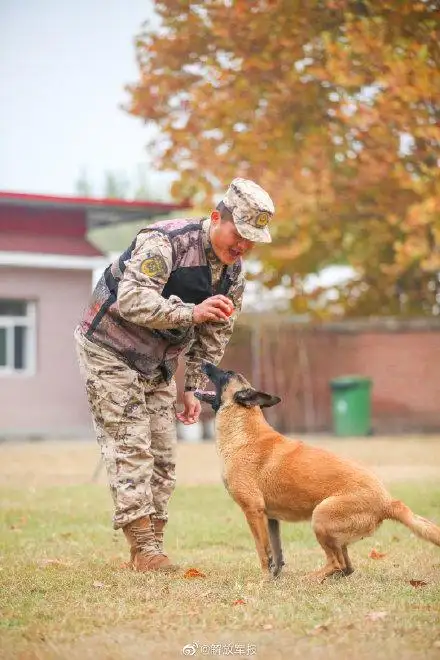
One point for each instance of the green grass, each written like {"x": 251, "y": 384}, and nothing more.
{"x": 88, "y": 604}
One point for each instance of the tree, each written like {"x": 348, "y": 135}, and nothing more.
{"x": 116, "y": 186}
{"x": 334, "y": 107}
{"x": 83, "y": 187}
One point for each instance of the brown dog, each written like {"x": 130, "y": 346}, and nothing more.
{"x": 273, "y": 478}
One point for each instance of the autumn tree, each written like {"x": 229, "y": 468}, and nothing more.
{"x": 117, "y": 185}
{"x": 334, "y": 107}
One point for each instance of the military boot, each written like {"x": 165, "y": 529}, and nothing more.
{"x": 158, "y": 532}
{"x": 144, "y": 552}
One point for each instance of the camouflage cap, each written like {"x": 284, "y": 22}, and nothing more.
{"x": 251, "y": 208}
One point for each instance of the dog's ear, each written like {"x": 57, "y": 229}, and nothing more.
{"x": 250, "y": 398}
{"x": 207, "y": 397}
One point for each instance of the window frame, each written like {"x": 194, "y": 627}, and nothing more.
{"x": 29, "y": 321}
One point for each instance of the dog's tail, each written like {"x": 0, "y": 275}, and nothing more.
{"x": 422, "y": 527}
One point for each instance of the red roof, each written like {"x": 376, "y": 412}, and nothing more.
{"x": 43, "y": 244}
{"x": 99, "y": 211}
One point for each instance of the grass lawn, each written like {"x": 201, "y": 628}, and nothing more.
{"x": 64, "y": 592}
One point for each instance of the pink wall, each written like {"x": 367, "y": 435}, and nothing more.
{"x": 52, "y": 401}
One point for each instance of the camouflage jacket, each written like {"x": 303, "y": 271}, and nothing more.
{"x": 143, "y": 304}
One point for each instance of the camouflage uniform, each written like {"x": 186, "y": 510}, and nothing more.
{"x": 134, "y": 421}
{"x": 131, "y": 392}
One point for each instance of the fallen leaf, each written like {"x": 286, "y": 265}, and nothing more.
{"x": 193, "y": 573}
{"x": 376, "y": 616}
{"x": 375, "y": 554}
{"x": 267, "y": 626}
{"x": 99, "y": 585}
{"x": 321, "y": 627}
{"x": 418, "y": 583}
{"x": 239, "y": 601}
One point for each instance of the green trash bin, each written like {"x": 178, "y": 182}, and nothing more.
{"x": 351, "y": 405}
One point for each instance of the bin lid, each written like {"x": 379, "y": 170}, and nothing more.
{"x": 345, "y": 382}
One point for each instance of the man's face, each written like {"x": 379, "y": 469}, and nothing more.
{"x": 227, "y": 243}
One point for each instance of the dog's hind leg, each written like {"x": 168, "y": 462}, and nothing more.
{"x": 338, "y": 521}
{"x": 335, "y": 557}
{"x": 277, "y": 550}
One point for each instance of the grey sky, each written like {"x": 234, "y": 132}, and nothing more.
{"x": 63, "y": 66}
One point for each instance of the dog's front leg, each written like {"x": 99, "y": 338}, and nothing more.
{"x": 277, "y": 550}
{"x": 257, "y": 521}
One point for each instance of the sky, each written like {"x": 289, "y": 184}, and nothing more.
{"x": 63, "y": 67}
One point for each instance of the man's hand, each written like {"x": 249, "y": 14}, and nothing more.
{"x": 215, "y": 308}
{"x": 192, "y": 410}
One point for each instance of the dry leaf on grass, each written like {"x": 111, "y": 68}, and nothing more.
{"x": 376, "y": 616}
{"x": 16, "y": 527}
{"x": 44, "y": 563}
{"x": 193, "y": 573}
{"x": 99, "y": 585}
{"x": 375, "y": 554}
{"x": 239, "y": 601}
{"x": 418, "y": 583}
{"x": 319, "y": 628}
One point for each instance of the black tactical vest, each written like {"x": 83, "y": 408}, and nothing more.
{"x": 147, "y": 350}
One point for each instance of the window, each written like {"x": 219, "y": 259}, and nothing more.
{"x": 17, "y": 337}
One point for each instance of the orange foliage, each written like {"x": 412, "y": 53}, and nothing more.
{"x": 334, "y": 107}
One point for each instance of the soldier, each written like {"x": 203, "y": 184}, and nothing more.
{"x": 177, "y": 288}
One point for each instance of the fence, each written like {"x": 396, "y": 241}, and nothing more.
{"x": 296, "y": 362}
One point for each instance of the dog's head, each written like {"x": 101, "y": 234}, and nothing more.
{"x": 231, "y": 387}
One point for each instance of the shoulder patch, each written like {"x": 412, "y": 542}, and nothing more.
{"x": 154, "y": 266}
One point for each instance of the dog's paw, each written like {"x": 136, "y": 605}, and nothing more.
{"x": 276, "y": 569}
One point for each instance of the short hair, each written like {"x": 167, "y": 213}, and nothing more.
{"x": 225, "y": 214}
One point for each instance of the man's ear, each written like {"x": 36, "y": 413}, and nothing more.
{"x": 250, "y": 398}
{"x": 216, "y": 217}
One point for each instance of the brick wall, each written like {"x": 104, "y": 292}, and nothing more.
{"x": 296, "y": 362}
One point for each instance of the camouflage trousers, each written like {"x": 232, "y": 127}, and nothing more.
{"x": 135, "y": 425}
